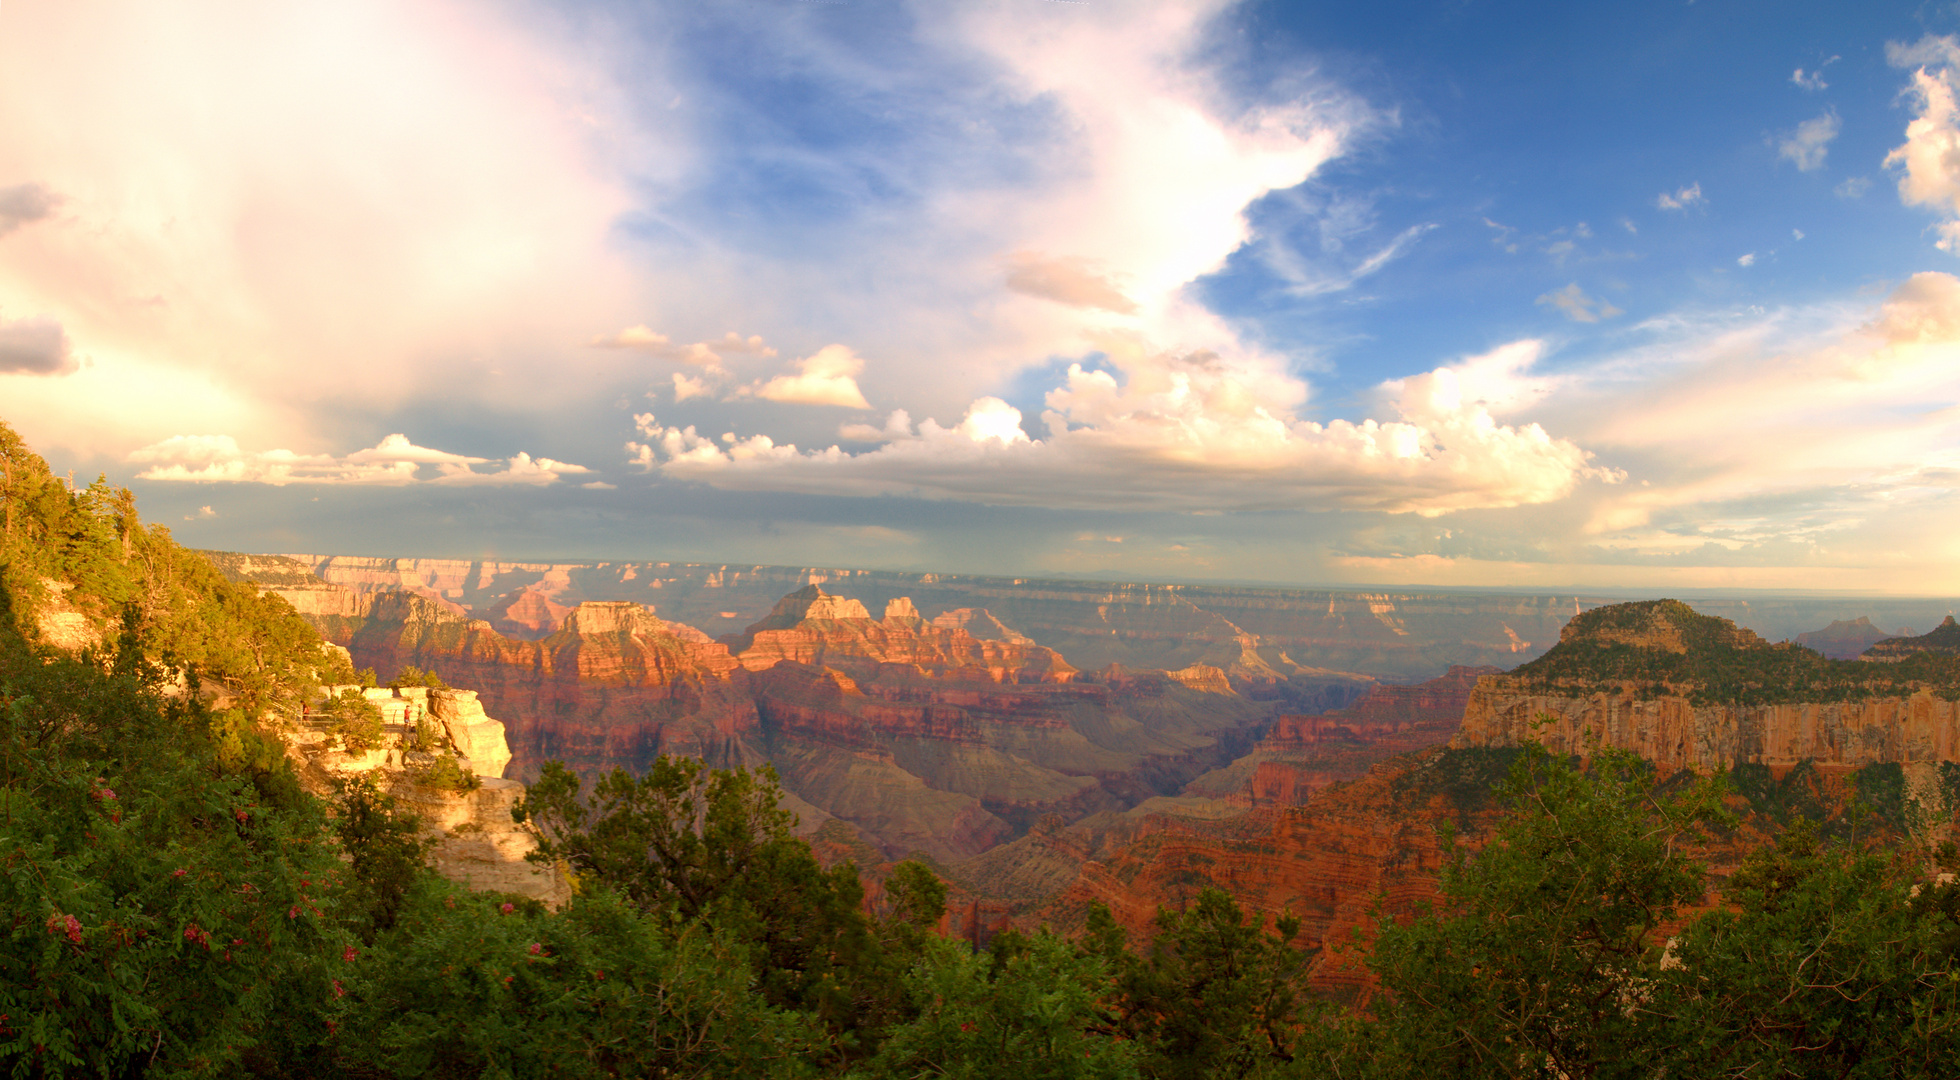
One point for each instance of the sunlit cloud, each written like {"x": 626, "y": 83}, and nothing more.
{"x": 827, "y": 377}
{"x": 1930, "y": 156}
{"x": 395, "y": 461}
{"x": 1179, "y": 432}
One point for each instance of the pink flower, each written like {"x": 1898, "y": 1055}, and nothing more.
{"x": 193, "y": 933}
{"x": 179, "y": 872}
{"x": 293, "y": 912}
{"x": 66, "y": 924}
{"x": 349, "y": 954}
{"x": 508, "y": 908}
{"x": 536, "y": 948}
{"x": 339, "y": 990}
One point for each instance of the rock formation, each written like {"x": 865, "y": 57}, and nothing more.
{"x": 1688, "y": 691}
{"x": 1943, "y": 639}
{"x": 477, "y": 842}
{"x": 1303, "y": 754}
{"x": 1844, "y": 639}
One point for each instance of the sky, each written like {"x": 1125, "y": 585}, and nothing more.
{"x": 1494, "y": 295}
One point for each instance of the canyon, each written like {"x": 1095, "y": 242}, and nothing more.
{"x": 1049, "y": 745}
{"x": 921, "y": 734}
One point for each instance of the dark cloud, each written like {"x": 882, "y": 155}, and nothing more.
{"x": 24, "y": 203}
{"x": 36, "y": 346}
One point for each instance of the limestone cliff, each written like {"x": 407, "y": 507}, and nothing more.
{"x": 1688, "y": 691}
{"x": 810, "y": 626}
{"x": 465, "y": 806}
{"x": 1303, "y": 754}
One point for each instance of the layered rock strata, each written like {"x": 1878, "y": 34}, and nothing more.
{"x": 1687, "y": 691}
{"x": 477, "y": 842}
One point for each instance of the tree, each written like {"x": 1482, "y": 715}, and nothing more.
{"x": 1216, "y": 996}
{"x": 1541, "y": 960}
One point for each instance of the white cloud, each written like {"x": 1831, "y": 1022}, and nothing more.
{"x": 707, "y": 354}
{"x": 1930, "y": 156}
{"x": 395, "y": 461}
{"x": 1190, "y": 433}
{"x": 828, "y": 377}
{"x": 1808, "y": 145}
{"x": 1806, "y": 415}
{"x": 1681, "y": 199}
{"x": 310, "y": 204}
{"x": 1812, "y": 80}
{"x": 1746, "y": 260}
{"x": 1573, "y": 302}
{"x": 1853, "y": 187}
{"x": 689, "y": 386}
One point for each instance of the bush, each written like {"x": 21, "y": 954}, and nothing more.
{"x": 355, "y": 721}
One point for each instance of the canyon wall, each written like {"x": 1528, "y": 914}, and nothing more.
{"x": 923, "y": 734}
{"x": 1398, "y": 634}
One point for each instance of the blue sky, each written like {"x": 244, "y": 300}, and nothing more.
{"x": 1526, "y": 295}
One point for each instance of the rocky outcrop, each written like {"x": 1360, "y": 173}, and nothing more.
{"x": 1943, "y": 639}
{"x": 1687, "y": 691}
{"x": 1844, "y": 639}
{"x": 810, "y": 626}
{"x": 615, "y": 686}
{"x": 477, "y": 842}
{"x": 478, "y": 739}
{"x": 1303, "y": 754}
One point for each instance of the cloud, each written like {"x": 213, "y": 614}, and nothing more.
{"x": 1747, "y": 260}
{"x": 36, "y": 346}
{"x": 1813, "y": 80}
{"x": 827, "y": 378}
{"x": 204, "y": 513}
{"x": 1681, "y": 199}
{"x": 395, "y": 461}
{"x": 1808, "y": 145}
{"x": 1066, "y": 281}
{"x": 1181, "y": 433}
{"x": 689, "y": 386}
{"x": 320, "y": 206}
{"x": 25, "y": 203}
{"x": 1930, "y": 156}
{"x": 1791, "y": 419}
{"x": 707, "y": 354}
{"x": 1853, "y": 187}
{"x": 1573, "y": 302}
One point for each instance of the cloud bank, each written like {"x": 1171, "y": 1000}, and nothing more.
{"x": 393, "y": 462}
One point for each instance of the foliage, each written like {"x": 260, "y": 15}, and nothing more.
{"x": 1540, "y": 960}
{"x": 1215, "y": 997}
{"x": 355, "y": 721}
{"x": 385, "y": 852}
{"x": 162, "y": 909}
{"x": 1040, "y": 1011}
{"x": 446, "y": 773}
{"x": 467, "y": 987}
{"x": 1833, "y": 963}
{"x": 410, "y": 675}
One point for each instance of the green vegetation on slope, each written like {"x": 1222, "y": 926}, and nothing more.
{"x": 1714, "y": 663}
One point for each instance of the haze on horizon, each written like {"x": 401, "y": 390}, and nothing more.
{"x": 1503, "y": 295}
